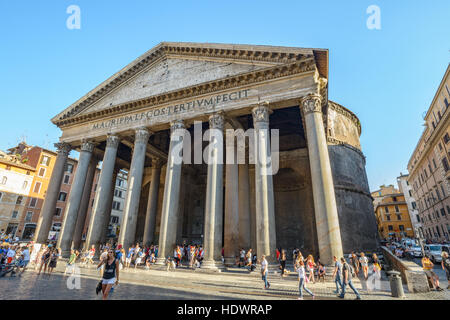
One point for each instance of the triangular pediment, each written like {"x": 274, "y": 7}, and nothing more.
{"x": 172, "y": 66}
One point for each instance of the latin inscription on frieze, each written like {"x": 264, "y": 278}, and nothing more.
{"x": 197, "y": 105}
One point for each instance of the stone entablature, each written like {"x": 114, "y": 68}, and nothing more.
{"x": 343, "y": 127}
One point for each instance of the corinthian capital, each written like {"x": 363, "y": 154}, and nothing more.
{"x": 261, "y": 112}
{"x": 63, "y": 148}
{"x": 176, "y": 125}
{"x": 87, "y": 146}
{"x": 311, "y": 103}
{"x": 142, "y": 135}
{"x": 216, "y": 121}
{"x": 112, "y": 141}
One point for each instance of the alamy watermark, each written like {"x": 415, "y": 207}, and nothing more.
{"x": 74, "y": 20}
{"x": 227, "y": 147}
{"x": 374, "y": 20}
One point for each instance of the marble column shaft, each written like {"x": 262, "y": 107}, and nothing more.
{"x": 231, "y": 225}
{"x": 327, "y": 220}
{"x": 85, "y": 202}
{"x": 169, "y": 213}
{"x": 109, "y": 210}
{"x": 152, "y": 204}
{"x": 214, "y": 195}
{"x": 102, "y": 195}
{"x": 48, "y": 208}
{"x": 264, "y": 206}
{"x": 73, "y": 204}
{"x": 135, "y": 177}
{"x": 244, "y": 208}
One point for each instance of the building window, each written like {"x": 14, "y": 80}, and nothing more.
{"x": 25, "y": 185}
{"x": 58, "y": 212}
{"x": 390, "y": 228}
{"x": 116, "y": 205}
{"x": 15, "y": 214}
{"x": 4, "y": 180}
{"x": 417, "y": 218}
{"x": 45, "y": 161}
{"x": 388, "y": 217}
{"x": 446, "y": 138}
{"x": 120, "y": 183}
{"x": 62, "y": 196}
{"x": 394, "y": 199}
{"x": 42, "y": 172}
{"x": 19, "y": 200}
{"x": 438, "y": 232}
{"x": 1, "y": 195}
{"x": 114, "y": 219}
{"x": 438, "y": 195}
{"x": 448, "y": 208}
{"x": 401, "y": 227}
{"x": 414, "y": 205}
{"x": 37, "y": 187}
{"x": 399, "y": 217}
{"x": 443, "y": 212}
{"x": 386, "y": 209}
{"x": 434, "y": 163}
{"x": 33, "y": 202}
{"x": 445, "y": 164}
{"x": 66, "y": 179}
{"x": 29, "y": 216}
{"x": 69, "y": 168}
{"x": 396, "y": 209}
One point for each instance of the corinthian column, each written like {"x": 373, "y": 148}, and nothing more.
{"x": 128, "y": 228}
{"x": 264, "y": 206}
{"x": 168, "y": 228}
{"x": 231, "y": 229}
{"x": 152, "y": 204}
{"x": 327, "y": 221}
{"x": 73, "y": 205}
{"x": 48, "y": 209}
{"x": 77, "y": 235}
{"x": 214, "y": 195}
{"x": 102, "y": 196}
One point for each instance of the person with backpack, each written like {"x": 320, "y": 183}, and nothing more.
{"x": 445, "y": 263}
{"x": 347, "y": 273}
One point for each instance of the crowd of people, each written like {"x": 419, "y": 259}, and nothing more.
{"x": 113, "y": 258}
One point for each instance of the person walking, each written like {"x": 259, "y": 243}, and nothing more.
{"x": 337, "y": 274}
{"x": 264, "y": 271}
{"x": 364, "y": 265}
{"x": 445, "y": 264}
{"x": 283, "y": 263}
{"x": 71, "y": 263}
{"x": 310, "y": 266}
{"x": 300, "y": 267}
{"x": 45, "y": 258}
{"x": 25, "y": 258}
{"x": 427, "y": 266}
{"x": 355, "y": 262}
{"x": 347, "y": 271}
{"x": 111, "y": 273}
{"x": 54, "y": 256}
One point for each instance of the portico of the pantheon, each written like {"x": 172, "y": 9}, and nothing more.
{"x": 318, "y": 201}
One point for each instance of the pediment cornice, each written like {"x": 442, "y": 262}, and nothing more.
{"x": 243, "y": 79}
{"x": 281, "y": 61}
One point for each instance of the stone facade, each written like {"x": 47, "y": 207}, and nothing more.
{"x": 317, "y": 200}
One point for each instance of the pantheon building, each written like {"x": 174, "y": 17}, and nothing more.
{"x": 318, "y": 200}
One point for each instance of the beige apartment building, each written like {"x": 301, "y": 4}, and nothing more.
{"x": 429, "y": 167}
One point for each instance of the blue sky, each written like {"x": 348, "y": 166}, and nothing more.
{"x": 388, "y": 77}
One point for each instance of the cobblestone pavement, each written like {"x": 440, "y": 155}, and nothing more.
{"x": 181, "y": 284}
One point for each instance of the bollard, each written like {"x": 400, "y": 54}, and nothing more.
{"x": 396, "y": 284}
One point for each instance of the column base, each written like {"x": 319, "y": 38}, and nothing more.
{"x": 213, "y": 265}
{"x": 230, "y": 261}
{"x": 160, "y": 261}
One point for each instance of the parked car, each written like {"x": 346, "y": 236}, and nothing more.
{"x": 415, "y": 251}
{"x": 434, "y": 251}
